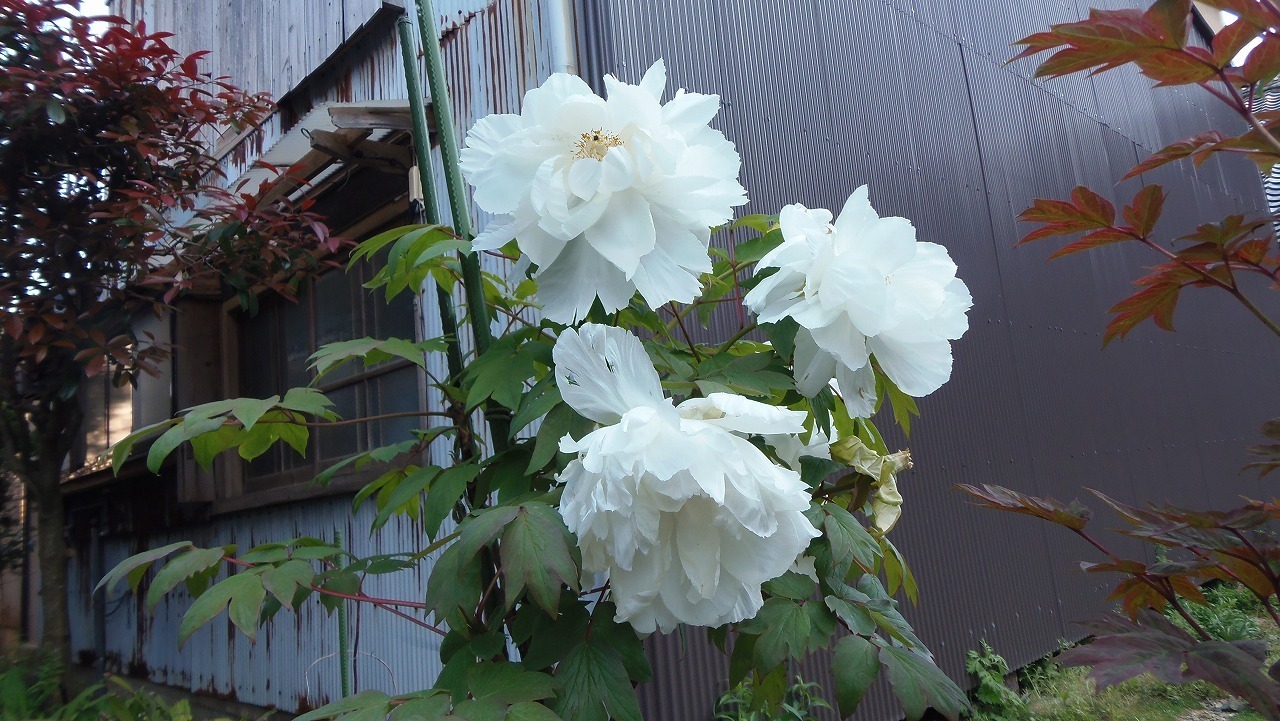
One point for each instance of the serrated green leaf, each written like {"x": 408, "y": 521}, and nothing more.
{"x": 783, "y": 629}
{"x": 592, "y": 685}
{"x": 850, "y": 542}
{"x": 357, "y": 702}
{"x": 539, "y": 554}
{"x": 919, "y": 685}
{"x": 507, "y": 683}
{"x": 179, "y": 570}
{"x": 856, "y": 665}
{"x": 133, "y": 563}
{"x": 792, "y": 585}
{"x": 453, "y": 588}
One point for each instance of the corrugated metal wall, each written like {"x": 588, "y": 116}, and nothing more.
{"x": 494, "y": 50}
{"x": 913, "y": 97}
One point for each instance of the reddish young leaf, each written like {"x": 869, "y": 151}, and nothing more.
{"x": 1144, "y": 211}
{"x": 1232, "y": 39}
{"x": 1096, "y": 239}
{"x": 1073, "y": 516}
{"x": 1093, "y": 206}
{"x": 1156, "y": 301}
{"x": 1172, "y": 17}
{"x": 1263, "y": 63}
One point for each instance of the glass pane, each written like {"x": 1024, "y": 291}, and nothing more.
{"x": 295, "y": 332}
{"x": 258, "y": 345}
{"x": 341, "y": 441}
{"x": 397, "y": 392}
{"x": 396, "y": 319}
{"x": 337, "y": 315}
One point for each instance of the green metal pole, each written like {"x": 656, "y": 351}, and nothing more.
{"x": 443, "y": 112}
{"x": 499, "y": 424}
{"x": 344, "y": 658}
{"x": 422, "y": 150}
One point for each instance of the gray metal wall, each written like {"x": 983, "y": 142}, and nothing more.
{"x": 913, "y": 97}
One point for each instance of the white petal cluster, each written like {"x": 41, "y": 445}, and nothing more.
{"x": 682, "y": 512}
{"x": 606, "y": 197}
{"x": 861, "y": 287}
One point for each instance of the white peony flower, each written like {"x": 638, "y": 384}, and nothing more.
{"x": 607, "y": 197}
{"x": 862, "y": 287}
{"x": 685, "y": 515}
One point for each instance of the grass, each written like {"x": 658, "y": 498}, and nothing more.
{"x": 1054, "y": 693}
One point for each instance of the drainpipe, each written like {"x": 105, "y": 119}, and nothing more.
{"x": 564, "y": 51}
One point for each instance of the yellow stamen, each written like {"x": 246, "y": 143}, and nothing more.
{"x": 595, "y": 144}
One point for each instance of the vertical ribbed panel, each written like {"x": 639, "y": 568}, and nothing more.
{"x": 913, "y": 97}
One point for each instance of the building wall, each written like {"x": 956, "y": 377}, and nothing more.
{"x": 912, "y": 97}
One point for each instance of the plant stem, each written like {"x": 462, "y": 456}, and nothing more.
{"x": 737, "y": 336}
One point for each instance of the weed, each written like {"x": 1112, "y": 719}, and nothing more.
{"x": 801, "y": 703}
{"x": 992, "y": 699}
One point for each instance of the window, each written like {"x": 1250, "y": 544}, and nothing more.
{"x": 273, "y": 349}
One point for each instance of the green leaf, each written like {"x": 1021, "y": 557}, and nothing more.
{"x": 123, "y": 448}
{"x": 782, "y": 335}
{"x": 783, "y": 630}
{"x": 896, "y": 572}
{"x": 443, "y": 493}
{"x": 622, "y": 638}
{"x": 169, "y": 440}
{"x": 249, "y": 410}
{"x": 751, "y": 251}
{"x": 919, "y": 685}
{"x": 536, "y": 403}
{"x": 855, "y": 665}
{"x": 215, "y": 600}
{"x": 372, "y": 351}
{"x": 850, "y": 542}
{"x": 480, "y": 528}
{"x": 454, "y": 586}
{"x": 207, "y": 446}
{"x": 592, "y": 685}
{"x": 179, "y": 569}
{"x": 507, "y": 683}
{"x": 431, "y": 705}
{"x": 404, "y": 492}
{"x": 792, "y": 585}
{"x": 309, "y": 401}
{"x": 555, "y": 426}
{"x": 284, "y": 580}
{"x": 136, "y": 566}
{"x": 904, "y": 406}
{"x": 539, "y": 554}
{"x": 853, "y": 613}
{"x": 358, "y": 702}
{"x": 246, "y": 604}
{"x": 529, "y": 711}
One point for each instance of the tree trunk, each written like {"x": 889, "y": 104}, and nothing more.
{"x": 55, "y": 637}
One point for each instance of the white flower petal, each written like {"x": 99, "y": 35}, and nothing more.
{"x": 743, "y": 415}
{"x": 862, "y": 284}
{"x": 813, "y": 366}
{"x": 625, "y": 232}
{"x": 686, "y": 518}
{"x": 614, "y": 173}
{"x": 918, "y": 368}
{"x": 603, "y": 372}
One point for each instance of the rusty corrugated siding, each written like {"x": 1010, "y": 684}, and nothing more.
{"x": 913, "y": 97}
{"x": 494, "y": 50}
